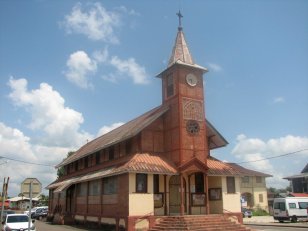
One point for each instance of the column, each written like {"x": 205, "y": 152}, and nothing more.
{"x": 207, "y": 194}
{"x": 182, "y": 209}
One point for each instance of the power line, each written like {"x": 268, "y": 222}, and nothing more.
{"x": 26, "y": 162}
{"x": 272, "y": 157}
{"x": 244, "y": 162}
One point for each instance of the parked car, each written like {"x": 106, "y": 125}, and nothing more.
{"x": 40, "y": 213}
{"x": 5, "y": 213}
{"x": 17, "y": 222}
{"x": 33, "y": 210}
{"x": 246, "y": 212}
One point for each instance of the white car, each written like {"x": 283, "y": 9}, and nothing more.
{"x": 17, "y": 222}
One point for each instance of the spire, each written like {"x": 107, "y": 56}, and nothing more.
{"x": 180, "y": 50}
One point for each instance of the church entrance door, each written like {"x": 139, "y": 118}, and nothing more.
{"x": 175, "y": 195}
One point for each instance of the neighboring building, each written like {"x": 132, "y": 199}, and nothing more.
{"x": 36, "y": 187}
{"x": 157, "y": 164}
{"x": 253, "y": 188}
{"x": 299, "y": 183}
{"x": 22, "y": 203}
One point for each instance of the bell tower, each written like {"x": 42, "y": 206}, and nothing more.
{"x": 183, "y": 93}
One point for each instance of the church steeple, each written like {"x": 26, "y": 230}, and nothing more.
{"x": 180, "y": 50}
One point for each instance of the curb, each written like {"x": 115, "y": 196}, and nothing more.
{"x": 278, "y": 224}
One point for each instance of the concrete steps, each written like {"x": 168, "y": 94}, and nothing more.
{"x": 198, "y": 223}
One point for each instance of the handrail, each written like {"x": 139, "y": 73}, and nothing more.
{"x": 139, "y": 219}
{"x": 230, "y": 214}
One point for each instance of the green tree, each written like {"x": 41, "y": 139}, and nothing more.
{"x": 43, "y": 200}
{"x": 60, "y": 171}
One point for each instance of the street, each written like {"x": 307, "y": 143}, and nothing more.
{"x": 46, "y": 226}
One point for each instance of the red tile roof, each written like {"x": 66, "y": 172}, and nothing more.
{"x": 298, "y": 194}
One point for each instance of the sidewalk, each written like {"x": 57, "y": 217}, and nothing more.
{"x": 269, "y": 221}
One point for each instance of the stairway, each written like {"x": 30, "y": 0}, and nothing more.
{"x": 198, "y": 223}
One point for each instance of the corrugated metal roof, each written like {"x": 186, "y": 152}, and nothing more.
{"x": 141, "y": 163}
{"x": 219, "y": 168}
{"x": 149, "y": 163}
{"x": 131, "y": 129}
{"x": 302, "y": 175}
{"x": 119, "y": 134}
{"x": 248, "y": 172}
{"x": 180, "y": 50}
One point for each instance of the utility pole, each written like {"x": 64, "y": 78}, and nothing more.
{"x": 30, "y": 206}
{"x": 4, "y": 195}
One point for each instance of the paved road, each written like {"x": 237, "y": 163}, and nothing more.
{"x": 45, "y": 226}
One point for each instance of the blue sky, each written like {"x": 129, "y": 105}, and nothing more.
{"x": 70, "y": 71}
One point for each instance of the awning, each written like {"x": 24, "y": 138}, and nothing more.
{"x": 63, "y": 185}
{"x": 138, "y": 163}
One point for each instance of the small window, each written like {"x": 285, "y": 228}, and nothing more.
{"x": 258, "y": 179}
{"x": 170, "y": 89}
{"x": 88, "y": 161}
{"x": 261, "y": 198}
{"x": 97, "y": 158}
{"x": 94, "y": 188}
{"x": 128, "y": 147}
{"x": 110, "y": 185}
{"x": 141, "y": 183}
{"x": 303, "y": 205}
{"x": 82, "y": 189}
{"x": 111, "y": 153}
{"x": 280, "y": 205}
{"x": 292, "y": 205}
{"x": 230, "y": 184}
{"x": 245, "y": 179}
{"x": 156, "y": 183}
{"x": 199, "y": 181}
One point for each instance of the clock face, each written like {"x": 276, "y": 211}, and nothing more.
{"x": 191, "y": 79}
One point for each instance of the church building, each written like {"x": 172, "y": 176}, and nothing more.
{"x": 156, "y": 165}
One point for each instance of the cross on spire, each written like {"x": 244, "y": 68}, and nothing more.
{"x": 180, "y": 19}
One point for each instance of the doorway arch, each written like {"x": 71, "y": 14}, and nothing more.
{"x": 175, "y": 194}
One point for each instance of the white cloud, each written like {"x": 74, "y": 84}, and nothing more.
{"x": 60, "y": 128}
{"x": 80, "y": 66}
{"x": 215, "y": 67}
{"x": 278, "y": 100}
{"x": 101, "y": 56}
{"x": 253, "y": 149}
{"x": 125, "y": 10}
{"x": 96, "y": 23}
{"x": 59, "y": 123}
{"x": 131, "y": 68}
{"x": 16, "y": 146}
{"x": 105, "y": 129}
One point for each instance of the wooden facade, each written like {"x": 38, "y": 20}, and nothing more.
{"x": 154, "y": 165}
